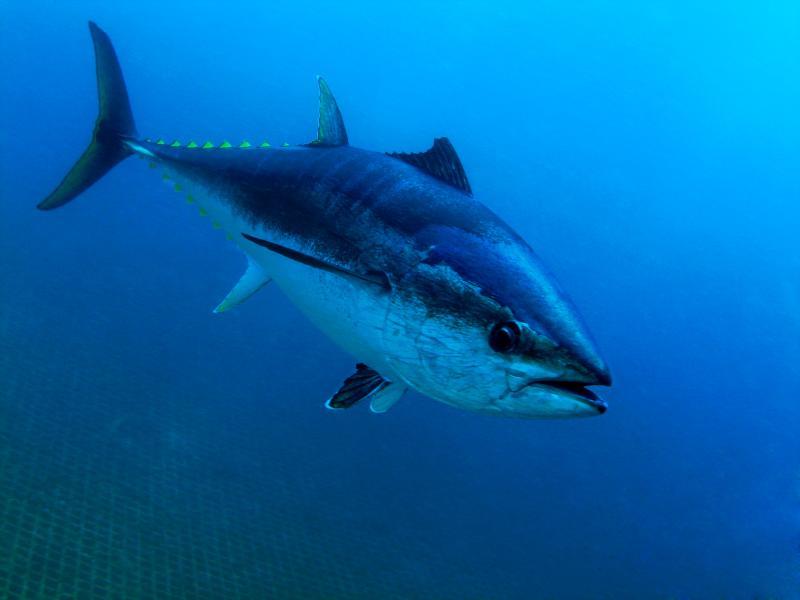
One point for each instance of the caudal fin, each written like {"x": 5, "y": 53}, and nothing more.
{"x": 113, "y": 127}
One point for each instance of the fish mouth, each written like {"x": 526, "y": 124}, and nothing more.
{"x": 575, "y": 390}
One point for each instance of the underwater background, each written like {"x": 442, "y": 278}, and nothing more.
{"x": 648, "y": 151}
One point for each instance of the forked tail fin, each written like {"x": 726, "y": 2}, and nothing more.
{"x": 113, "y": 127}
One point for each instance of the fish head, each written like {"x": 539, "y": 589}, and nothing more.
{"x": 481, "y": 325}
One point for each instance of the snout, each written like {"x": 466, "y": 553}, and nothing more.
{"x": 598, "y": 372}
{"x": 585, "y": 367}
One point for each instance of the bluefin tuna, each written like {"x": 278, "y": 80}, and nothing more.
{"x": 389, "y": 254}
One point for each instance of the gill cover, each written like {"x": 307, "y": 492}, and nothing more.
{"x": 434, "y": 351}
{"x": 113, "y": 127}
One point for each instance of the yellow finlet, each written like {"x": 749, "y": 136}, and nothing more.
{"x": 245, "y": 144}
{"x": 165, "y": 176}
{"x": 225, "y": 144}
{"x": 207, "y": 145}
{"x": 228, "y": 236}
{"x": 189, "y": 199}
{"x": 148, "y": 140}
{"x": 152, "y": 164}
{"x": 264, "y": 144}
{"x": 175, "y": 144}
{"x": 192, "y": 145}
{"x": 285, "y": 145}
{"x": 203, "y": 212}
{"x": 178, "y": 187}
{"x": 216, "y": 224}
{"x": 160, "y": 142}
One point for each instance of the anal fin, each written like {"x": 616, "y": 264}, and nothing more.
{"x": 253, "y": 280}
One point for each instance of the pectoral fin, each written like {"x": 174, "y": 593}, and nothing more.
{"x": 372, "y": 277}
{"x": 253, "y": 280}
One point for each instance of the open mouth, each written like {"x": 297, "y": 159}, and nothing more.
{"x": 580, "y": 390}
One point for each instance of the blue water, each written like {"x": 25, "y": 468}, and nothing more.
{"x": 649, "y": 152}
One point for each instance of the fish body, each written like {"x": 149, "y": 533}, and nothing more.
{"x": 389, "y": 254}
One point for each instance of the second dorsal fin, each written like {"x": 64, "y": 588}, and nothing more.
{"x": 440, "y": 161}
{"x": 331, "y": 131}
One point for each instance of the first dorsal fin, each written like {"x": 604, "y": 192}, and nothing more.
{"x": 440, "y": 161}
{"x": 331, "y": 131}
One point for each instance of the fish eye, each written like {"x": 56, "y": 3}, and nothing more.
{"x": 505, "y": 336}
